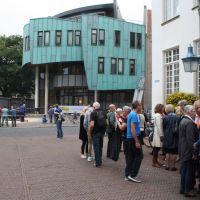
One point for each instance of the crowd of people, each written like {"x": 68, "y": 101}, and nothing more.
{"x": 11, "y": 113}
{"x": 176, "y": 132}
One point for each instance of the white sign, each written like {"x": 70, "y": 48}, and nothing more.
{"x": 71, "y": 109}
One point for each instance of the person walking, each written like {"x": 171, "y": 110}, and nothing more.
{"x": 83, "y": 135}
{"x": 133, "y": 147}
{"x": 98, "y": 123}
{"x": 86, "y": 123}
{"x": 13, "y": 116}
{"x": 187, "y": 129}
{"x": 5, "y": 116}
{"x": 51, "y": 114}
{"x": 22, "y": 111}
{"x": 58, "y": 120}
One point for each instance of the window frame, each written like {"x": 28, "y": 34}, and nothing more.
{"x": 96, "y": 36}
{"x": 170, "y": 9}
{"x": 132, "y": 40}
{"x": 58, "y": 36}
{"x": 102, "y": 41}
{"x": 117, "y": 37}
{"x": 113, "y": 67}
{"x": 120, "y": 72}
{"x": 130, "y": 64}
{"x": 139, "y": 40}
{"x": 79, "y": 36}
{"x": 99, "y": 63}
{"x": 40, "y": 39}
{"x": 72, "y": 39}
{"x": 46, "y": 44}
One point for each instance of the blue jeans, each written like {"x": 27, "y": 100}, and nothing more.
{"x": 133, "y": 157}
{"x": 5, "y": 119}
{"x": 13, "y": 121}
{"x": 59, "y": 129}
{"x": 98, "y": 146}
{"x": 186, "y": 176}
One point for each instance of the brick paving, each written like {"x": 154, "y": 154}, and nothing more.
{"x": 45, "y": 168}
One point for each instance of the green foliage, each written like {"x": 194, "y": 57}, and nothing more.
{"x": 177, "y": 96}
{"x": 13, "y": 78}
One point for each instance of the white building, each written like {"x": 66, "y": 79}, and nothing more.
{"x": 175, "y": 25}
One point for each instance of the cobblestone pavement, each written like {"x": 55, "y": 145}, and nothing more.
{"x": 41, "y": 167}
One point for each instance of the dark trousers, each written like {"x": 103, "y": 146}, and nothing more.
{"x": 84, "y": 146}
{"x": 13, "y": 119}
{"x": 186, "y": 176}
{"x": 59, "y": 129}
{"x": 21, "y": 117}
{"x": 110, "y": 144}
{"x": 133, "y": 157}
{"x": 50, "y": 118}
{"x": 97, "y": 139}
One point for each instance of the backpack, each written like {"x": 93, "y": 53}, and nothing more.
{"x": 101, "y": 120}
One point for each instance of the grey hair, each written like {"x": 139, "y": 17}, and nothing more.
{"x": 126, "y": 108}
{"x": 169, "y": 108}
{"x": 182, "y": 103}
{"x": 188, "y": 108}
{"x": 96, "y": 105}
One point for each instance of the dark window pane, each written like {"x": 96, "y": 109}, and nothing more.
{"x": 101, "y": 37}
{"x": 132, "y": 67}
{"x": 132, "y": 39}
{"x": 46, "y": 38}
{"x": 101, "y": 65}
{"x": 117, "y": 38}
{"x": 58, "y": 38}
{"x": 113, "y": 66}
{"x": 139, "y": 40}
{"x": 78, "y": 38}
{"x": 70, "y": 38}
{"x": 94, "y": 37}
{"x": 40, "y": 38}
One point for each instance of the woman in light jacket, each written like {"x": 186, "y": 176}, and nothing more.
{"x": 158, "y": 133}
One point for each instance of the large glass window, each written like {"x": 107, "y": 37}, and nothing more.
{"x": 113, "y": 66}
{"x": 58, "y": 38}
{"x": 195, "y": 3}
{"x": 70, "y": 37}
{"x": 117, "y": 38}
{"x": 132, "y": 67}
{"x": 94, "y": 37}
{"x": 120, "y": 66}
{"x": 46, "y": 38}
{"x": 132, "y": 39}
{"x": 40, "y": 38}
{"x": 27, "y": 43}
{"x": 170, "y": 9}
{"x": 77, "y": 38}
{"x": 139, "y": 40}
{"x": 101, "y": 37}
{"x": 101, "y": 65}
{"x": 171, "y": 71}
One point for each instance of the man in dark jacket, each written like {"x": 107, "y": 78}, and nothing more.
{"x": 186, "y": 153}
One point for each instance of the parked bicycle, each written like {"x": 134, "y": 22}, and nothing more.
{"x": 148, "y": 134}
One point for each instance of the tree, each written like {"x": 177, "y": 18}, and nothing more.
{"x": 177, "y": 96}
{"x": 13, "y": 78}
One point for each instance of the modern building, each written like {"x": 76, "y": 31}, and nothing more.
{"x": 175, "y": 25}
{"x": 85, "y": 55}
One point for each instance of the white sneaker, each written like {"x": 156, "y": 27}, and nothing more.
{"x": 134, "y": 179}
{"x": 83, "y": 156}
{"x": 126, "y": 178}
{"x": 89, "y": 159}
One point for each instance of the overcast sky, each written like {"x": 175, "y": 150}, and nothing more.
{"x": 14, "y": 14}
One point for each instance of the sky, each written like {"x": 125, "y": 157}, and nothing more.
{"x": 14, "y": 14}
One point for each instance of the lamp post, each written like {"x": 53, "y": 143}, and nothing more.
{"x": 191, "y": 61}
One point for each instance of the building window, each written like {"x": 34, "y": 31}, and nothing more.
{"x": 40, "y": 38}
{"x": 195, "y": 3}
{"x": 70, "y": 37}
{"x": 120, "y": 66}
{"x": 27, "y": 43}
{"x": 117, "y": 38}
{"x": 171, "y": 71}
{"x": 170, "y": 9}
{"x": 94, "y": 37}
{"x": 113, "y": 66}
{"x": 132, "y": 39}
{"x": 101, "y": 65}
{"x": 58, "y": 38}
{"x": 197, "y": 51}
{"x": 46, "y": 38}
{"x": 101, "y": 37}
{"x": 77, "y": 38}
{"x": 132, "y": 67}
{"x": 139, "y": 40}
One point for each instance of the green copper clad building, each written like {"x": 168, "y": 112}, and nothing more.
{"x": 84, "y": 55}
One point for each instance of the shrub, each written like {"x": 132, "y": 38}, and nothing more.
{"x": 177, "y": 96}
